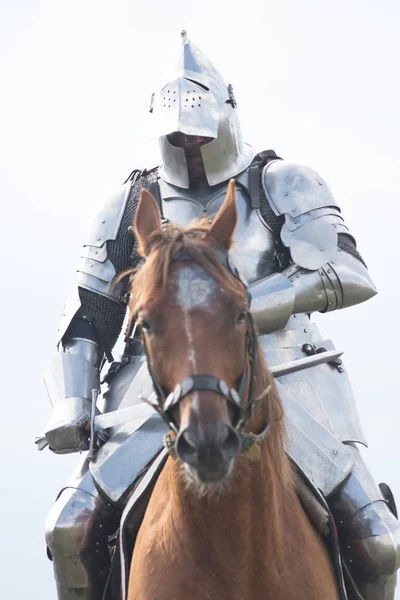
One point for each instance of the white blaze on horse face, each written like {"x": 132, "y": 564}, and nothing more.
{"x": 195, "y": 290}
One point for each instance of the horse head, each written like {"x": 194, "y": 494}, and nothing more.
{"x": 201, "y": 346}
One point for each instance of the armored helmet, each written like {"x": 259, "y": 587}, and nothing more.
{"x": 196, "y": 102}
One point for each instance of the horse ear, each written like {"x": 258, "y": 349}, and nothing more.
{"x": 225, "y": 220}
{"x": 147, "y": 220}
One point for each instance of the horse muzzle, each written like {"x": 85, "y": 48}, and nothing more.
{"x": 209, "y": 449}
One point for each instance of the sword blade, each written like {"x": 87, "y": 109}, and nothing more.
{"x": 305, "y": 363}
{"x": 117, "y": 417}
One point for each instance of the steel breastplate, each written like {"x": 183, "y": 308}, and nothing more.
{"x": 255, "y": 244}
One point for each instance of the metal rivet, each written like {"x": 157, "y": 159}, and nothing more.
{"x": 169, "y": 400}
{"x": 291, "y": 280}
{"x": 297, "y": 275}
{"x": 103, "y": 221}
{"x": 177, "y": 392}
{"x": 305, "y": 330}
{"x": 235, "y": 396}
{"x": 335, "y": 452}
{"x": 330, "y": 303}
{"x": 223, "y": 386}
{"x": 321, "y": 249}
{"x": 293, "y": 209}
{"x": 286, "y": 193}
{"x": 186, "y": 385}
{"x": 329, "y": 270}
{"x": 98, "y": 239}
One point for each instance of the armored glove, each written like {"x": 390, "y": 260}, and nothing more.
{"x": 67, "y": 429}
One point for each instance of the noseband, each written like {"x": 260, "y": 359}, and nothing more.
{"x": 242, "y": 409}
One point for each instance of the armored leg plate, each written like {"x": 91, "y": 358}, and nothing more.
{"x": 369, "y": 532}
{"x": 77, "y": 531}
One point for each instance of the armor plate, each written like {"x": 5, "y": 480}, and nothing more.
{"x": 253, "y": 255}
{"x": 312, "y": 219}
{"x": 95, "y": 270}
{"x": 69, "y": 376}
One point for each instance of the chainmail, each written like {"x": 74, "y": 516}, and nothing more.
{"x": 346, "y": 244}
{"x": 273, "y": 222}
{"x": 107, "y": 316}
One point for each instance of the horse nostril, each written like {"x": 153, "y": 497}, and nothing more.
{"x": 186, "y": 448}
{"x": 232, "y": 443}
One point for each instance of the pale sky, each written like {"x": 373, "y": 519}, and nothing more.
{"x": 315, "y": 80}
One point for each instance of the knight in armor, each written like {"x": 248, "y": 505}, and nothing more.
{"x": 297, "y": 255}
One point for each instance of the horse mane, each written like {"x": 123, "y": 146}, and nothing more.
{"x": 167, "y": 243}
{"x": 146, "y": 282}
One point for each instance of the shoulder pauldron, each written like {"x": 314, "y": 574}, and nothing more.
{"x": 95, "y": 270}
{"x": 312, "y": 215}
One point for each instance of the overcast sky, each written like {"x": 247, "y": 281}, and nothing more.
{"x": 315, "y": 80}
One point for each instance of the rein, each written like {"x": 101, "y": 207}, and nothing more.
{"x": 204, "y": 382}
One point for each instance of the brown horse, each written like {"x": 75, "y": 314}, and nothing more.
{"x": 222, "y": 524}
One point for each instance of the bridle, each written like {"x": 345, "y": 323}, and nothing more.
{"x": 242, "y": 409}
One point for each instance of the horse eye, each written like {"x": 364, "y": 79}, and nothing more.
{"x": 145, "y": 325}
{"x": 241, "y": 317}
